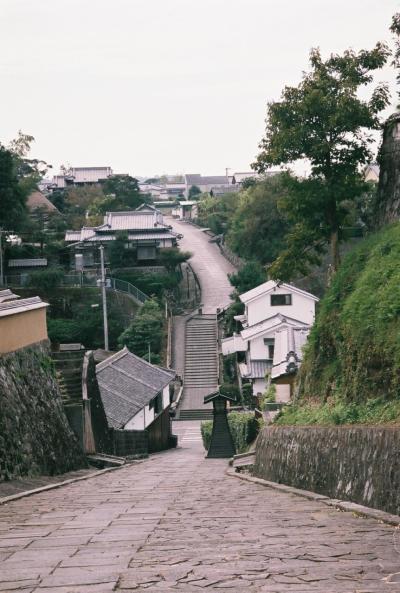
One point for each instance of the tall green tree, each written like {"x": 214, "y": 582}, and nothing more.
{"x": 126, "y": 191}
{"x": 324, "y": 121}
{"x": 258, "y": 228}
{"x": 194, "y": 192}
{"x": 12, "y": 195}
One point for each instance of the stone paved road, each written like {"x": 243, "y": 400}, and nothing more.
{"x": 177, "y": 523}
{"x": 209, "y": 264}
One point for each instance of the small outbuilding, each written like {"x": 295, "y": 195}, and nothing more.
{"x": 136, "y": 396}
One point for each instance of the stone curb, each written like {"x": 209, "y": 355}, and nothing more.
{"x": 343, "y": 505}
{"x": 6, "y": 499}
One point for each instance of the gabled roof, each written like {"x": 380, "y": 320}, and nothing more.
{"x": 21, "y": 306}
{"x": 270, "y": 286}
{"x": 147, "y": 220}
{"x": 288, "y": 350}
{"x": 7, "y": 295}
{"x": 147, "y": 208}
{"x": 127, "y": 384}
{"x": 271, "y": 324}
{"x": 217, "y": 395}
{"x": 38, "y": 200}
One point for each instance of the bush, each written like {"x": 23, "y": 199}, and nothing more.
{"x": 268, "y": 397}
{"x": 243, "y": 426}
{"x": 63, "y": 331}
{"x": 248, "y": 398}
{"x": 206, "y": 430}
{"x": 146, "y": 330}
{"x": 154, "y": 284}
{"x": 46, "y": 279}
{"x": 230, "y": 390}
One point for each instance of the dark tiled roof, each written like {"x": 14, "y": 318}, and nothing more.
{"x": 128, "y": 383}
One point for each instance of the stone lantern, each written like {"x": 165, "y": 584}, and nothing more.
{"x": 221, "y": 445}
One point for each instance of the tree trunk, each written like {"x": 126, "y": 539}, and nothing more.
{"x": 335, "y": 255}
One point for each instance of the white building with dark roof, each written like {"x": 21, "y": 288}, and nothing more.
{"x": 81, "y": 176}
{"x": 275, "y": 326}
{"x": 145, "y": 229}
{"x": 134, "y": 392}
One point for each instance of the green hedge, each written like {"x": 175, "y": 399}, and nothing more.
{"x": 244, "y": 429}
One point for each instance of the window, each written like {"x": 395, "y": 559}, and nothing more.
{"x": 146, "y": 252}
{"x": 269, "y": 342}
{"x": 156, "y": 404}
{"x": 281, "y": 299}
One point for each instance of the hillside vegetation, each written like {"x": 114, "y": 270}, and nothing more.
{"x": 351, "y": 369}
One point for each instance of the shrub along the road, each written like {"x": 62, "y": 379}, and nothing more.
{"x": 244, "y": 428}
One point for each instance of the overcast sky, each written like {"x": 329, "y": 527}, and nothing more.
{"x": 164, "y": 86}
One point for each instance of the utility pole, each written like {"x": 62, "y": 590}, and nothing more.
{"x": 104, "y": 297}
{"x": 1, "y": 259}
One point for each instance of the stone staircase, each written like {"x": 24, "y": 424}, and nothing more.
{"x": 68, "y": 366}
{"x": 201, "y": 367}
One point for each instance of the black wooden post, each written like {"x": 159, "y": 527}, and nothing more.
{"x": 221, "y": 445}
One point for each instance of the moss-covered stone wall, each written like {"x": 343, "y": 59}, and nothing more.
{"x": 356, "y": 463}
{"x": 35, "y": 437}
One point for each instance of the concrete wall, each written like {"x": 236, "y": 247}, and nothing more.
{"x": 356, "y": 463}
{"x": 35, "y": 437}
{"x": 22, "y": 329}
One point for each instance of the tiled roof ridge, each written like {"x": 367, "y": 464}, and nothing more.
{"x": 114, "y": 357}
{"x": 124, "y": 352}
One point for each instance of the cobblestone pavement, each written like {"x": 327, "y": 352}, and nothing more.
{"x": 209, "y": 264}
{"x": 177, "y": 523}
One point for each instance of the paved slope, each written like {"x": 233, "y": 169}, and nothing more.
{"x": 209, "y": 264}
{"x": 177, "y": 523}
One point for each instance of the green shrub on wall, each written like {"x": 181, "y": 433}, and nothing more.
{"x": 244, "y": 429}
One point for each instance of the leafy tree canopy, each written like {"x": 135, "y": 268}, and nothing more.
{"x": 258, "y": 228}
{"x": 172, "y": 258}
{"x": 19, "y": 176}
{"x": 324, "y": 121}
{"x": 194, "y": 191}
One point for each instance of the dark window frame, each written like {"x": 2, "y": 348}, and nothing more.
{"x": 284, "y": 300}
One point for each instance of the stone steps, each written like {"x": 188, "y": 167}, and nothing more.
{"x": 201, "y": 365}
{"x": 205, "y": 414}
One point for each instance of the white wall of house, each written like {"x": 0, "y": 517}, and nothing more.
{"x": 301, "y": 309}
{"x": 138, "y": 422}
{"x": 165, "y": 396}
{"x": 258, "y": 350}
{"x": 282, "y": 393}
{"x": 259, "y": 386}
{"x": 145, "y": 417}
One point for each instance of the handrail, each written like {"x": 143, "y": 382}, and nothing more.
{"x": 79, "y": 279}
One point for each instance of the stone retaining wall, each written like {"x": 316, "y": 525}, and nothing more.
{"x": 356, "y": 463}
{"x": 35, "y": 437}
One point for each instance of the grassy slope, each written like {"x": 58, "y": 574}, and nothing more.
{"x": 351, "y": 369}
